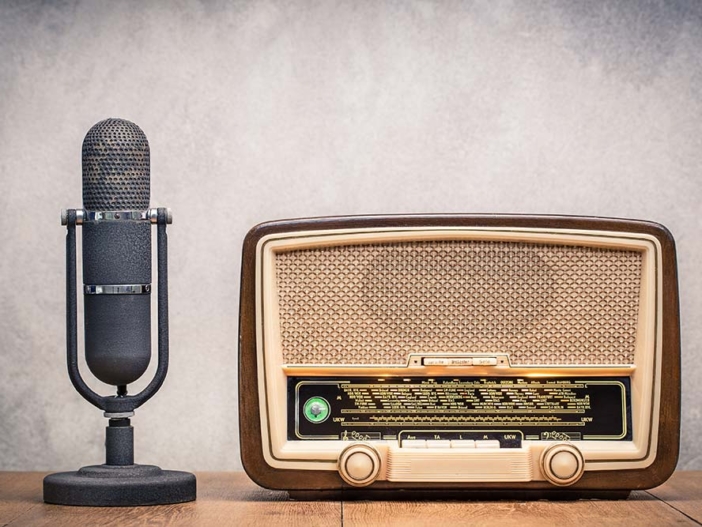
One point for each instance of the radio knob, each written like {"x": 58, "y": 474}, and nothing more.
{"x": 562, "y": 464}
{"x": 359, "y": 465}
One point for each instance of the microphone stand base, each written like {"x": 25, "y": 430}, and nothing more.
{"x": 119, "y": 486}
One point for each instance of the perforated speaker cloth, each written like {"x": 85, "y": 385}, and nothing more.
{"x": 376, "y": 304}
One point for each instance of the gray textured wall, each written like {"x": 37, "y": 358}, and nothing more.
{"x": 265, "y": 110}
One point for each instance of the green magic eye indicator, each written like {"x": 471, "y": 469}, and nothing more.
{"x": 316, "y": 410}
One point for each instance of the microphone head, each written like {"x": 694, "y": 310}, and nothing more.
{"x": 116, "y": 167}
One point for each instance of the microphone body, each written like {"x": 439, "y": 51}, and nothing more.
{"x": 117, "y": 325}
{"x": 116, "y": 251}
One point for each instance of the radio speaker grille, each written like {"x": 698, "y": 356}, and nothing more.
{"x": 377, "y": 303}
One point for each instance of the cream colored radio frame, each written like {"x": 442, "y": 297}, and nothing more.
{"x": 645, "y": 373}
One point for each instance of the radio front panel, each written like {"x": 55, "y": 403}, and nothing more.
{"x": 386, "y": 352}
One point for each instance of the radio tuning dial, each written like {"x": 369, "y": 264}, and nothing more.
{"x": 562, "y": 464}
{"x": 359, "y": 464}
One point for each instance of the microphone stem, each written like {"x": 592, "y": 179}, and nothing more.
{"x": 119, "y": 443}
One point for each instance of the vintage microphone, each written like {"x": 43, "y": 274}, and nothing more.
{"x": 116, "y": 222}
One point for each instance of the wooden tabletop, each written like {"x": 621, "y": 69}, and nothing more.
{"x": 230, "y": 498}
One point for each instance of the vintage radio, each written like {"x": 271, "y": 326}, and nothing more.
{"x": 459, "y": 353}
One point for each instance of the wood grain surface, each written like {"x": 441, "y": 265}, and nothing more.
{"x": 230, "y": 498}
{"x": 683, "y": 492}
{"x": 640, "y": 509}
{"x": 224, "y": 498}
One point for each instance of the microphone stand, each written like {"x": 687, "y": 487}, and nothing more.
{"x": 119, "y": 482}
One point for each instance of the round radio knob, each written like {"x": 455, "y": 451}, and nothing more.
{"x": 562, "y": 464}
{"x": 359, "y": 465}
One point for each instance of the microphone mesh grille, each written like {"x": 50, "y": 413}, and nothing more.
{"x": 116, "y": 167}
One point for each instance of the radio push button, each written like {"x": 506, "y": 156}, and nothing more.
{"x": 487, "y": 443}
{"x": 562, "y": 464}
{"x": 414, "y": 443}
{"x": 359, "y": 465}
{"x": 462, "y": 443}
{"x": 438, "y": 443}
